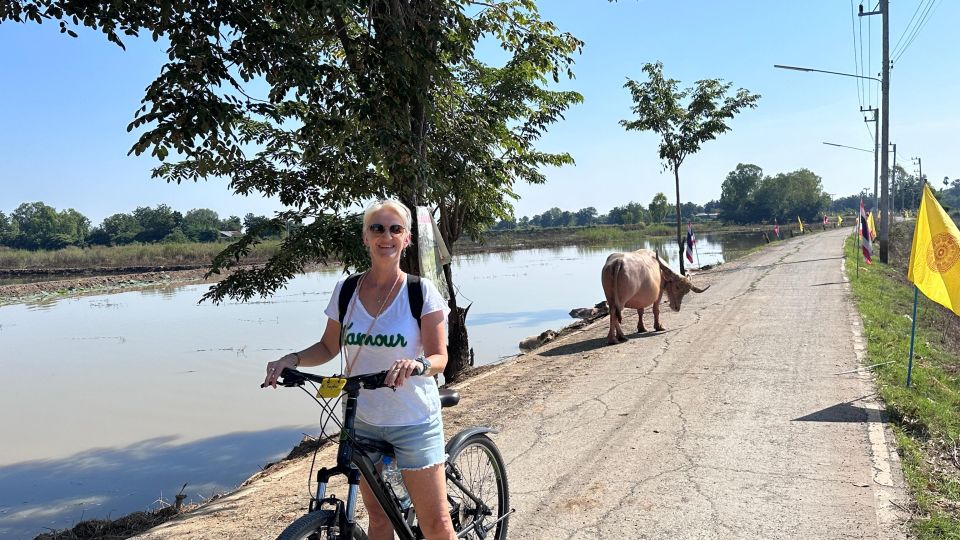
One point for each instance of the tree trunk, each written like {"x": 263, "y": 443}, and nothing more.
{"x": 676, "y": 174}
{"x": 459, "y": 355}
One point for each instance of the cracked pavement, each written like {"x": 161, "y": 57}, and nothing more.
{"x": 732, "y": 423}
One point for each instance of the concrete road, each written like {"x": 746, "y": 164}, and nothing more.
{"x": 742, "y": 420}
{"x": 733, "y": 423}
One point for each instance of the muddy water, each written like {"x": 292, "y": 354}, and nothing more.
{"x": 114, "y": 402}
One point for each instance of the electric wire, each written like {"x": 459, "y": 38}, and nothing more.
{"x": 924, "y": 19}
{"x": 870, "y": 54}
{"x": 907, "y": 27}
{"x": 856, "y": 64}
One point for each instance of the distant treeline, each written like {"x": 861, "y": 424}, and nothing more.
{"x": 38, "y": 226}
{"x": 747, "y": 196}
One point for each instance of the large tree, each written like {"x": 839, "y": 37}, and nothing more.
{"x": 363, "y": 99}
{"x": 658, "y": 208}
{"x": 736, "y": 193}
{"x": 684, "y": 119}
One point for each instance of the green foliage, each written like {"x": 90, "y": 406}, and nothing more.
{"x": 8, "y": 230}
{"x": 750, "y": 197}
{"x": 38, "y": 226}
{"x": 737, "y": 193}
{"x": 362, "y": 100}
{"x": 176, "y": 236}
{"x": 658, "y": 208}
{"x": 684, "y": 119}
{"x": 118, "y": 229}
{"x": 162, "y": 254}
{"x": 200, "y": 225}
{"x": 156, "y": 223}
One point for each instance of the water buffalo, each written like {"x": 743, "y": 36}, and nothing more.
{"x": 638, "y": 280}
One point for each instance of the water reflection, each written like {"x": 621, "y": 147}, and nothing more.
{"x": 112, "y": 481}
{"x": 116, "y": 370}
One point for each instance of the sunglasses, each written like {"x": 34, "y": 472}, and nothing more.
{"x": 377, "y": 228}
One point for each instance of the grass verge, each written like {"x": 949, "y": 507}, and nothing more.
{"x": 925, "y": 417}
{"x": 125, "y": 256}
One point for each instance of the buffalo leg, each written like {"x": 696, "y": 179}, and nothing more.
{"x": 656, "y": 316}
{"x": 615, "y": 335}
{"x": 640, "y": 327}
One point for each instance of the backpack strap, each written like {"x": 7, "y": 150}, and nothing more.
{"x": 415, "y": 294}
{"x": 346, "y": 292}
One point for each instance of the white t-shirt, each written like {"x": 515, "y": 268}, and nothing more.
{"x": 394, "y": 336}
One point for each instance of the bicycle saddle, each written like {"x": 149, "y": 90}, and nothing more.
{"x": 449, "y": 397}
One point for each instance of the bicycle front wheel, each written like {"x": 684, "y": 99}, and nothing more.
{"x": 318, "y": 525}
{"x": 477, "y": 466}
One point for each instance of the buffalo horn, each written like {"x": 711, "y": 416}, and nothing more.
{"x": 698, "y": 290}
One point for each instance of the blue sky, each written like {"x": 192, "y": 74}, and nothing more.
{"x": 65, "y": 104}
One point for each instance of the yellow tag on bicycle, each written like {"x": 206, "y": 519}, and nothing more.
{"x": 331, "y": 387}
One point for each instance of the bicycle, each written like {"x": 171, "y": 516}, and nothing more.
{"x": 476, "y": 476}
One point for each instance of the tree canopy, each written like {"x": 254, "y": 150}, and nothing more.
{"x": 684, "y": 119}
{"x": 363, "y": 100}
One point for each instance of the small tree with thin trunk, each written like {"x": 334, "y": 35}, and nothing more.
{"x": 659, "y": 106}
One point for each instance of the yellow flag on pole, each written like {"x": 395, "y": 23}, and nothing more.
{"x": 935, "y": 257}
{"x": 839, "y": 220}
{"x": 801, "y": 223}
{"x": 872, "y": 226}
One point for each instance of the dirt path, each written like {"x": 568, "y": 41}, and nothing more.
{"x": 737, "y": 422}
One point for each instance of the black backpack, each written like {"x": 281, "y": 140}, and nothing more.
{"x": 414, "y": 293}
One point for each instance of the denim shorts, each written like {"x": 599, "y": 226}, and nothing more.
{"x": 416, "y": 447}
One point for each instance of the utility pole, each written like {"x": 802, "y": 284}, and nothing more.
{"x": 919, "y": 174}
{"x": 876, "y": 152}
{"x": 893, "y": 182}
{"x": 884, "y": 12}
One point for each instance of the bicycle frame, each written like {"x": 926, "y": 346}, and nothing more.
{"x": 353, "y": 464}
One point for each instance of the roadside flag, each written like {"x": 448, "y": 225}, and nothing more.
{"x": 839, "y": 220}
{"x": 801, "y": 224}
{"x": 935, "y": 257}
{"x": 865, "y": 236}
{"x": 776, "y": 228}
{"x": 825, "y": 219}
{"x": 691, "y": 240}
{"x": 872, "y": 225}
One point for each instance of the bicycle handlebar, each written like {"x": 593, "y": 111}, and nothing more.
{"x": 371, "y": 381}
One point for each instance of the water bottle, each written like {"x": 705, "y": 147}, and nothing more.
{"x": 391, "y": 475}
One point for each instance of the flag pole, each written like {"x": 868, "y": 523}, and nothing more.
{"x": 697, "y": 251}
{"x": 913, "y": 332}
{"x": 857, "y": 230}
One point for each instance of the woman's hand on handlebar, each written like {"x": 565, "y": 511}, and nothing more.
{"x": 274, "y": 368}
{"x": 401, "y": 371}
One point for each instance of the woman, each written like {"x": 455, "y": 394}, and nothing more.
{"x": 408, "y": 418}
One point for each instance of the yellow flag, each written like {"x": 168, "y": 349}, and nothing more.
{"x": 801, "y": 223}
{"x": 935, "y": 257}
{"x": 872, "y": 226}
{"x": 839, "y": 220}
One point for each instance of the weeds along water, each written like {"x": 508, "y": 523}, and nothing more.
{"x": 120, "y": 256}
{"x": 925, "y": 417}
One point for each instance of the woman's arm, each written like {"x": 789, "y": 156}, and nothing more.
{"x": 432, "y": 335}
{"x": 314, "y": 355}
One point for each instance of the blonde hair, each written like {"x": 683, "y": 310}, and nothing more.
{"x": 393, "y": 205}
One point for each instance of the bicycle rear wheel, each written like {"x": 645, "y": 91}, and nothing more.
{"x": 478, "y": 466}
{"x": 318, "y": 525}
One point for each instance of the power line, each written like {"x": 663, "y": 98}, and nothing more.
{"x": 856, "y": 65}
{"x": 923, "y": 21}
{"x": 907, "y": 27}
{"x": 870, "y": 52}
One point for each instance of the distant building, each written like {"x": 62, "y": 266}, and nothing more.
{"x": 703, "y": 216}
{"x": 226, "y": 235}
